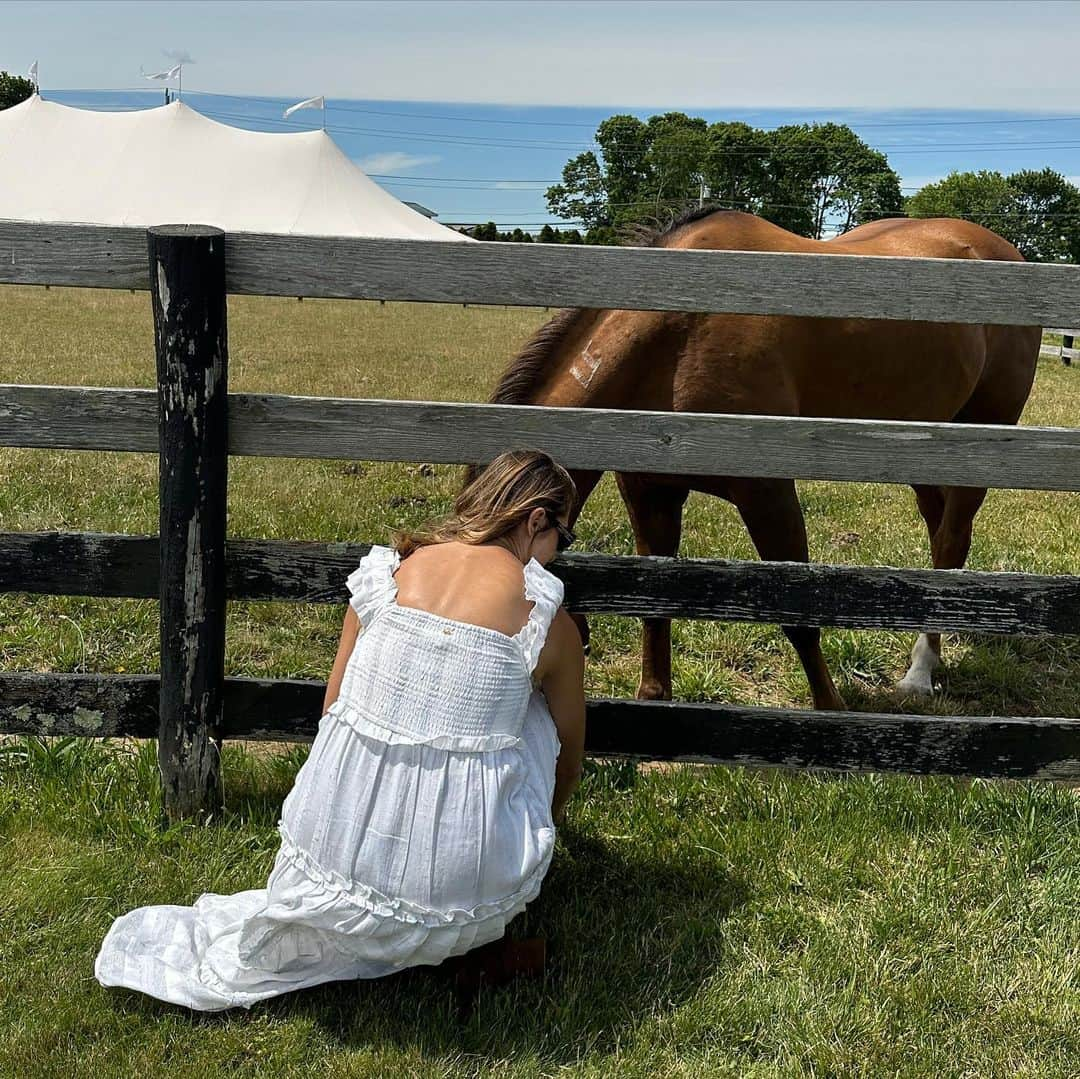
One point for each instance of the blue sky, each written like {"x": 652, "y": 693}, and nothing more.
{"x": 473, "y": 108}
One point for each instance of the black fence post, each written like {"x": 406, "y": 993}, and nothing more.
{"x": 1066, "y": 345}
{"x": 187, "y": 287}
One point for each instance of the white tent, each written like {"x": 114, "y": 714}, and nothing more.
{"x": 172, "y": 165}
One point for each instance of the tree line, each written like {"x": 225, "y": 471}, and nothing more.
{"x": 808, "y": 178}
{"x": 547, "y": 235}
{"x": 800, "y": 176}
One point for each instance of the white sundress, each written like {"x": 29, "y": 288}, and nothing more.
{"x": 417, "y": 828}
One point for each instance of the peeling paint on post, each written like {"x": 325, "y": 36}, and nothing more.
{"x": 187, "y": 286}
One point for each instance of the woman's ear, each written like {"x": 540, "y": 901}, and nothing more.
{"x": 537, "y": 521}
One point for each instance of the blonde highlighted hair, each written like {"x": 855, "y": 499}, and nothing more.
{"x": 495, "y": 500}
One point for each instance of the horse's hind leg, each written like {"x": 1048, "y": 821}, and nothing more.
{"x": 1012, "y": 353}
{"x": 926, "y": 655}
{"x": 949, "y": 513}
{"x": 655, "y": 510}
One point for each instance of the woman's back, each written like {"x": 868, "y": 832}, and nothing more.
{"x": 480, "y": 584}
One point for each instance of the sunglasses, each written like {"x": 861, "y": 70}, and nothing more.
{"x": 566, "y": 535}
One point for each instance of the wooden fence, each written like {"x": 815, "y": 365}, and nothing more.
{"x": 194, "y": 424}
{"x": 1066, "y": 352}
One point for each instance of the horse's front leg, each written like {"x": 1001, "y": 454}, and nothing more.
{"x": 655, "y": 508}
{"x": 771, "y": 512}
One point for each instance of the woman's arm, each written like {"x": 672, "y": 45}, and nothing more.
{"x": 564, "y": 688}
{"x": 349, "y": 631}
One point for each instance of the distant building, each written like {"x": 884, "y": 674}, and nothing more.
{"x": 421, "y": 209}
{"x": 460, "y": 226}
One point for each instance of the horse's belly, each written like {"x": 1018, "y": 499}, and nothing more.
{"x": 853, "y": 368}
{"x": 887, "y": 370}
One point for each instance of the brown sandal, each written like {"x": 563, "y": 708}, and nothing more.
{"x": 495, "y": 963}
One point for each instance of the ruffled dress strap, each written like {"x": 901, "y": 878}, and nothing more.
{"x": 546, "y": 590}
{"x": 371, "y": 585}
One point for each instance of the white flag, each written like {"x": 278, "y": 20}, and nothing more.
{"x": 311, "y": 103}
{"x": 162, "y": 75}
{"x": 33, "y": 73}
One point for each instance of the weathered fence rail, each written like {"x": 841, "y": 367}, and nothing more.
{"x": 274, "y": 425}
{"x": 194, "y": 424}
{"x": 1035, "y": 748}
{"x": 556, "y": 275}
{"x": 789, "y": 593}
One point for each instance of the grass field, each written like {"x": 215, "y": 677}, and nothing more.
{"x": 702, "y": 920}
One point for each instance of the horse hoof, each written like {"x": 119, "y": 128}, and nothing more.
{"x": 836, "y": 704}
{"x": 653, "y": 691}
{"x": 914, "y": 687}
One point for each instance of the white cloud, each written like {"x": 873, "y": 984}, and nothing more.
{"x": 392, "y": 161}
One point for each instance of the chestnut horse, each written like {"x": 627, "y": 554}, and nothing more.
{"x": 783, "y": 365}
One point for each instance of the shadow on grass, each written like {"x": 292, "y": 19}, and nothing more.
{"x": 630, "y": 935}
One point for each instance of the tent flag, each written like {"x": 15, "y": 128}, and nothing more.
{"x": 311, "y": 103}
{"x": 33, "y": 75}
{"x": 161, "y": 75}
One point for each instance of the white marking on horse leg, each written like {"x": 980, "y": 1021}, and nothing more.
{"x": 586, "y": 366}
{"x": 918, "y": 681}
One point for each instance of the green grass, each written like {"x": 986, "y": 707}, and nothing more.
{"x": 701, "y": 920}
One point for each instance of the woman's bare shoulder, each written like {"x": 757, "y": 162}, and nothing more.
{"x": 562, "y": 644}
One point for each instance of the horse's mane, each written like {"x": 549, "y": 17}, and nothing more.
{"x": 656, "y": 233}
{"x": 525, "y": 371}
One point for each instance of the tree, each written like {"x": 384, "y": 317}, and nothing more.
{"x": 602, "y": 234}
{"x": 14, "y": 89}
{"x": 1045, "y": 223}
{"x": 648, "y": 168}
{"x": 624, "y": 144}
{"x": 735, "y": 167}
{"x": 582, "y": 195}
{"x": 674, "y": 164}
{"x": 818, "y": 172}
{"x": 984, "y": 197}
{"x": 801, "y": 176}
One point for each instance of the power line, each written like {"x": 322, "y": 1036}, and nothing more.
{"x": 346, "y": 107}
{"x": 615, "y": 152}
{"x": 481, "y": 183}
{"x": 465, "y": 140}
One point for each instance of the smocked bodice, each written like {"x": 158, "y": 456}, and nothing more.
{"x": 423, "y": 678}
